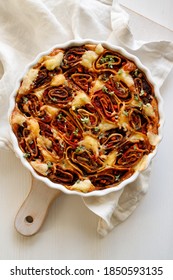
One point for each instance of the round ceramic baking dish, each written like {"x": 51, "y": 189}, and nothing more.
{"x": 149, "y": 157}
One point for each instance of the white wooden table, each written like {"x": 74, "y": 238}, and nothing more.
{"x": 69, "y": 231}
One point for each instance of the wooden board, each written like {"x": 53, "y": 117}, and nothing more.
{"x": 33, "y": 211}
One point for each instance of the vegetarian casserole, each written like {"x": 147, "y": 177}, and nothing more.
{"x": 86, "y": 116}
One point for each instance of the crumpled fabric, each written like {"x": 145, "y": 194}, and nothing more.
{"x": 28, "y": 27}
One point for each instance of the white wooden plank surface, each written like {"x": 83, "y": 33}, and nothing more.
{"x": 155, "y": 10}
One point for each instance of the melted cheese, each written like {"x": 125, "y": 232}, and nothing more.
{"x": 47, "y": 156}
{"x": 80, "y": 99}
{"x": 123, "y": 120}
{"x": 110, "y": 158}
{"x": 99, "y": 49}
{"x": 154, "y": 139}
{"x": 50, "y": 110}
{"x": 39, "y": 93}
{"x": 125, "y": 77}
{"x": 148, "y": 110}
{"x": 55, "y": 133}
{"x": 88, "y": 58}
{"x": 83, "y": 186}
{"x": 90, "y": 143}
{"x": 28, "y": 80}
{"x": 104, "y": 126}
{"x": 54, "y": 61}
{"x": 41, "y": 168}
{"x": 142, "y": 164}
{"x": 18, "y": 118}
{"x": 136, "y": 137}
{"x": 58, "y": 80}
{"x": 44, "y": 142}
{"x": 97, "y": 86}
{"x": 33, "y": 126}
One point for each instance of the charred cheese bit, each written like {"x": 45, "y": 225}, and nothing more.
{"x": 154, "y": 139}
{"x": 58, "y": 80}
{"x": 148, "y": 110}
{"x": 90, "y": 143}
{"x": 80, "y": 99}
{"x": 88, "y": 58}
{"x": 33, "y": 126}
{"x": 99, "y": 49}
{"x": 111, "y": 158}
{"x": 54, "y": 61}
{"x": 125, "y": 77}
{"x": 104, "y": 126}
{"x": 83, "y": 186}
{"x": 28, "y": 80}
{"x": 40, "y": 167}
{"x": 18, "y": 118}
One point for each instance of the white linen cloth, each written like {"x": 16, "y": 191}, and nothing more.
{"x": 28, "y": 27}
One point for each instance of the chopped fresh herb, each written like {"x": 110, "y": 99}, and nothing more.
{"x": 134, "y": 147}
{"x": 78, "y": 181}
{"x": 140, "y": 103}
{"x": 105, "y": 89}
{"x": 102, "y": 60}
{"x": 96, "y": 129}
{"x": 54, "y": 99}
{"x": 142, "y": 92}
{"x": 101, "y": 136}
{"x": 110, "y": 65}
{"x": 25, "y": 99}
{"x": 85, "y": 120}
{"x": 120, "y": 71}
{"x": 125, "y": 113}
{"x": 79, "y": 149}
{"x": 108, "y": 58}
{"x": 117, "y": 84}
{"x": 136, "y": 97}
{"x": 59, "y": 116}
{"x": 26, "y": 155}
{"x": 111, "y": 92}
{"x": 76, "y": 131}
{"x": 49, "y": 164}
{"x": 117, "y": 177}
{"x": 136, "y": 72}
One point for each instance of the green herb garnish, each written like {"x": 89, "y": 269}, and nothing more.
{"x": 117, "y": 177}
{"x": 125, "y": 113}
{"x": 79, "y": 149}
{"x": 59, "y": 116}
{"x": 76, "y": 131}
{"x": 26, "y": 155}
{"x": 136, "y": 72}
{"x": 120, "y": 71}
{"x": 25, "y": 99}
{"x": 49, "y": 164}
{"x": 136, "y": 97}
{"x": 96, "y": 129}
{"x": 85, "y": 120}
{"x": 142, "y": 92}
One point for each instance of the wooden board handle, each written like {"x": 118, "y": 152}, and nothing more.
{"x": 33, "y": 211}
